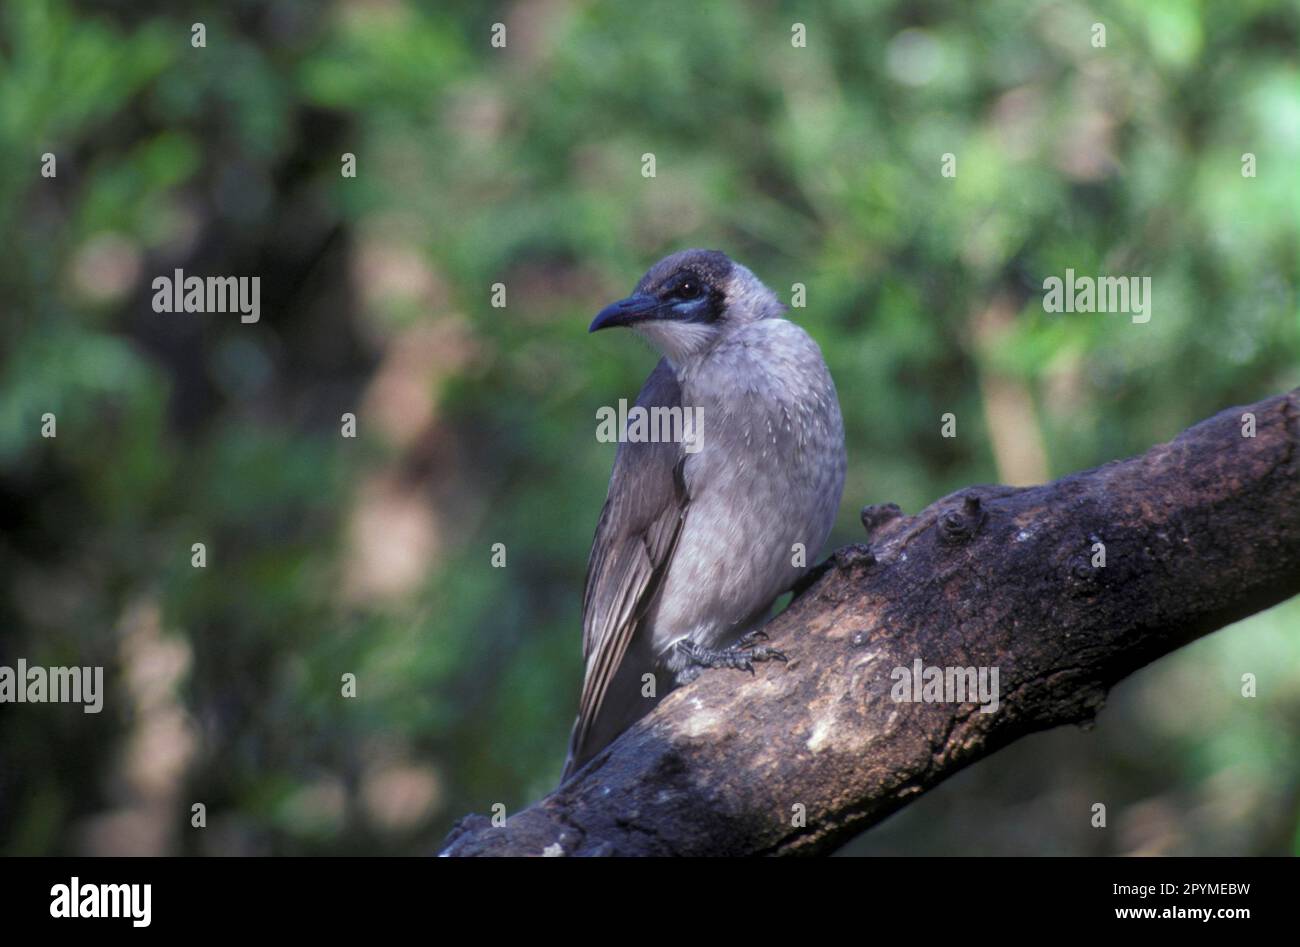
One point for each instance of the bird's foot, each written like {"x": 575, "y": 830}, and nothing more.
{"x": 740, "y": 656}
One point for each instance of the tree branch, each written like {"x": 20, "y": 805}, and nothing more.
{"x": 1197, "y": 533}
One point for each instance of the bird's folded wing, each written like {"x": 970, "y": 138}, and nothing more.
{"x": 634, "y": 543}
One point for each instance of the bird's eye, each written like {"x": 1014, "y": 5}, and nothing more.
{"x": 687, "y": 289}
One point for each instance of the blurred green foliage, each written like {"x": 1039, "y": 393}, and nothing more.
{"x": 521, "y": 165}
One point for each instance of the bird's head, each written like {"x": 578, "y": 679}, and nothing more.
{"x": 688, "y": 300}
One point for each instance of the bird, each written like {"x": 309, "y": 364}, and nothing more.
{"x": 697, "y": 540}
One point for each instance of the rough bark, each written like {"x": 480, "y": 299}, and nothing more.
{"x": 1198, "y": 533}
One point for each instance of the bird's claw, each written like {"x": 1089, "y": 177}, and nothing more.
{"x": 739, "y": 657}
{"x": 763, "y": 654}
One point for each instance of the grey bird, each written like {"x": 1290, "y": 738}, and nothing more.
{"x": 694, "y": 545}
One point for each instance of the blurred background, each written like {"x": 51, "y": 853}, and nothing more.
{"x": 522, "y": 165}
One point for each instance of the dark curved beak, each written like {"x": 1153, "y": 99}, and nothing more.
{"x": 625, "y": 312}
